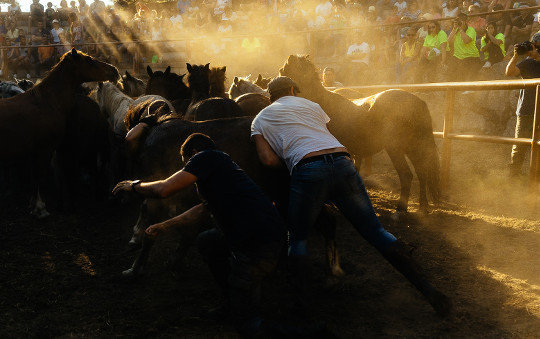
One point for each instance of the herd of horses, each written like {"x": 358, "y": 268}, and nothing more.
{"x": 59, "y": 121}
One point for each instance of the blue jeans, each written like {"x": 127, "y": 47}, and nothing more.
{"x": 335, "y": 180}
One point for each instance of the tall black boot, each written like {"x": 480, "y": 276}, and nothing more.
{"x": 399, "y": 255}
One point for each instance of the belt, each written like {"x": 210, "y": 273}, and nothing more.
{"x": 322, "y": 157}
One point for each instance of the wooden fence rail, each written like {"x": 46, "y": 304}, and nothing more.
{"x": 447, "y": 133}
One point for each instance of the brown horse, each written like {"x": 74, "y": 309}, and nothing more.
{"x": 133, "y": 87}
{"x": 217, "y": 79}
{"x": 33, "y": 123}
{"x": 262, "y": 82}
{"x": 394, "y": 120}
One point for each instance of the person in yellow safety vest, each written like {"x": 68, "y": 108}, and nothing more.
{"x": 408, "y": 57}
{"x": 465, "y": 62}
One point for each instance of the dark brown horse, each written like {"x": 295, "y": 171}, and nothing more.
{"x": 394, "y": 120}
{"x": 202, "y": 106}
{"x": 33, "y": 123}
{"x": 169, "y": 85}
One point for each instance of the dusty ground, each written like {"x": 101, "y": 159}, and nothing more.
{"x": 481, "y": 246}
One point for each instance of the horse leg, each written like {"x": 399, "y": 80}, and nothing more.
{"x": 42, "y": 163}
{"x": 421, "y": 173}
{"x": 405, "y": 177}
{"x": 139, "y": 227}
{"x": 326, "y": 224}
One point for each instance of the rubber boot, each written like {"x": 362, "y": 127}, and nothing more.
{"x": 399, "y": 255}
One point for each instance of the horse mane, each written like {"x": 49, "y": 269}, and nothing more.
{"x": 217, "y": 79}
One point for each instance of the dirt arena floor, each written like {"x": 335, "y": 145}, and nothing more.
{"x": 480, "y": 246}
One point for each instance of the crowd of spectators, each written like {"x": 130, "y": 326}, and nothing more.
{"x": 416, "y": 52}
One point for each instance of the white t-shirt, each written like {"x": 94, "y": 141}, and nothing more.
{"x": 400, "y": 5}
{"x": 56, "y": 34}
{"x": 294, "y": 127}
{"x": 362, "y": 50}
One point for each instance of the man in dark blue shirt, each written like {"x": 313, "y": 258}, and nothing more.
{"x": 528, "y": 68}
{"x": 251, "y": 233}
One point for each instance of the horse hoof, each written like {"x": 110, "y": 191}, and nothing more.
{"x": 337, "y": 271}
{"x": 130, "y": 274}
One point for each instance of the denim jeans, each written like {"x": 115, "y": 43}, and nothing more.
{"x": 331, "y": 180}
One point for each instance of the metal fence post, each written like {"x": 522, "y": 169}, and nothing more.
{"x": 447, "y": 143}
{"x": 534, "y": 170}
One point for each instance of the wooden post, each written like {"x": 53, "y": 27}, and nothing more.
{"x": 534, "y": 170}
{"x": 447, "y": 143}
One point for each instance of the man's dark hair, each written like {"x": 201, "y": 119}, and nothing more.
{"x": 274, "y": 95}
{"x": 196, "y": 141}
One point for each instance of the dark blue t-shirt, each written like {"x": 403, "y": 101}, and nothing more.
{"x": 244, "y": 213}
{"x": 529, "y": 69}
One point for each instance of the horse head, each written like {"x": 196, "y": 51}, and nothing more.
{"x": 242, "y": 86}
{"x": 84, "y": 68}
{"x": 167, "y": 84}
{"x": 303, "y": 72}
{"x": 198, "y": 78}
{"x": 217, "y": 79}
{"x": 132, "y": 86}
{"x": 262, "y": 82}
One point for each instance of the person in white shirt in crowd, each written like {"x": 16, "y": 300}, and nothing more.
{"x": 329, "y": 78}
{"x": 59, "y": 37}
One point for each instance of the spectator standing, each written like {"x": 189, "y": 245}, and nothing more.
{"x": 63, "y": 13}
{"x": 50, "y": 15}
{"x": 37, "y": 13}
{"x": 465, "y": 61}
{"x": 97, "y": 8}
{"x": 14, "y": 10}
{"x": 40, "y": 54}
{"x": 84, "y": 10}
{"x": 492, "y": 45}
{"x": 73, "y": 7}
{"x": 522, "y": 26}
{"x": 527, "y": 69}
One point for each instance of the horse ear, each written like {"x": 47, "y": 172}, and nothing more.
{"x": 248, "y": 76}
{"x": 182, "y": 76}
{"x": 74, "y": 52}
{"x": 167, "y": 71}
{"x": 259, "y": 78}
{"x": 224, "y": 69}
{"x": 207, "y": 66}
{"x": 128, "y": 75}
{"x": 149, "y": 70}
{"x": 189, "y": 67}
{"x": 291, "y": 58}
{"x": 235, "y": 80}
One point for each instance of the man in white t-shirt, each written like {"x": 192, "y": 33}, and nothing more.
{"x": 292, "y": 130}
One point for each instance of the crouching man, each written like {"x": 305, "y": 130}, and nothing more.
{"x": 251, "y": 234}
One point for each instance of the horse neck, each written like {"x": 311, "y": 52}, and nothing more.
{"x": 200, "y": 93}
{"x": 254, "y": 88}
{"x": 344, "y": 114}
{"x": 217, "y": 89}
{"x": 57, "y": 89}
